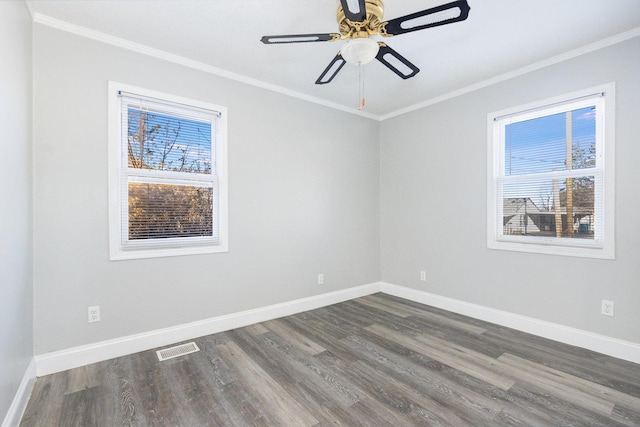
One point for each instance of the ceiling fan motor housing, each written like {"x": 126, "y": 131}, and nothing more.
{"x": 370, "y": 26}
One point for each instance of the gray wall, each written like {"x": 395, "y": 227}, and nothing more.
{"x": 307, "y": 198}
{"x": 304, "y": 200}
{"x": 16, "y": 282}
{"x": 433, "y": 204}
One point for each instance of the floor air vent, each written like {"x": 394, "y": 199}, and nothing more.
{"x": 179, "y": 350}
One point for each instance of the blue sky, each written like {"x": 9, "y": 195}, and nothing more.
{"x": 539, "y": 145}
{"x": 188, "y": 142}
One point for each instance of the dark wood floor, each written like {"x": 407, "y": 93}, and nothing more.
{"x": 373, "y": 361}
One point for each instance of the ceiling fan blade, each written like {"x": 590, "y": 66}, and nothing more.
{"x": 300, "y": 38}
{"x": 332, "y": 69}
{"x": 440, "y": 15}
{"x": 354, "y": 10}
{"x": 396, "y": 62}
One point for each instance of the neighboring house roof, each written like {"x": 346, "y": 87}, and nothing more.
{"x": 516, "y": 205}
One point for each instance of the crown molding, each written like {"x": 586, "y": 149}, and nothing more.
{"x": 32, "y": 12}
{"x": 600, "y": 44}
{"x": 181, "y": 60}
{"x": 187, "y": 62}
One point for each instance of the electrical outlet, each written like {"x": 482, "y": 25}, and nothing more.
{"x": 423, "y": 276}
{"x": 607, "y": 308}
{"x": 320, "y": 279}
{"x": 94, "y": 314}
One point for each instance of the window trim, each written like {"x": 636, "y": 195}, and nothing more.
{"x": 554, "y": 246}
{"x": 190, "y": 246}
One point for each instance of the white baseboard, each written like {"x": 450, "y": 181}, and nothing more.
{"x": 600, "y": 343}
{"x": 20, "y": 400}
{"x": 92, "y": 353}
{"x": 83, "y": 355}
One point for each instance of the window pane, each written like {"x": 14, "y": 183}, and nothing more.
{"x": 158, "y": 141}
{"x": 541, "y": 208}
{"x": 540, "y": 144}
{"x": 158, "y": 211}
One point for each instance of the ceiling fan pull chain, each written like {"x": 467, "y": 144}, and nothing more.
{"x": 361, "y": 100}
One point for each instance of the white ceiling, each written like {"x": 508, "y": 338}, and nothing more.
{"x": 499, "y": 37}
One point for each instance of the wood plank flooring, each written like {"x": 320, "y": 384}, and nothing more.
{"x": 372, "y": 361}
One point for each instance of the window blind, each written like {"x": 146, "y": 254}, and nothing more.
{"x": 169, "y": 185}
{"x": 549, "y": 179}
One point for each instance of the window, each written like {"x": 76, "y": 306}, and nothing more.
{"x": 550, "y": 176}
{"x": 167, "y": 166}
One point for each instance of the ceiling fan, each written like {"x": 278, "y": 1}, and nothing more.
{"x": 358, "y": 20}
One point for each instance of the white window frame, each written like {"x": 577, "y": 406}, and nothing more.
{"x": 603, "y": 245}
{"x": 120, "y": 248}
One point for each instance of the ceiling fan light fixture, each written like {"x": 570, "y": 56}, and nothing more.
{"x": 360, "y": 51}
